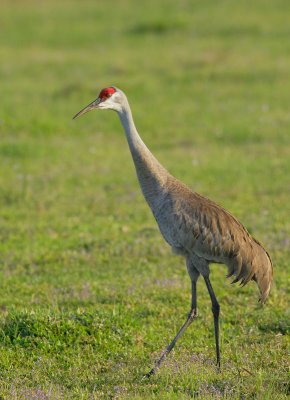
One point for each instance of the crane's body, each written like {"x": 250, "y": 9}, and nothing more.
{"x": 194, "y": 226}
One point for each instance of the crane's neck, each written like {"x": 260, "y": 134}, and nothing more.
{"x": 151, "y": 174}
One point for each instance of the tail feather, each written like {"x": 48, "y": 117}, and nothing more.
{"x": 254, "y": 264}
{"x": 247, "y": 279}
{"x": 263, "y": 273}
{"x": 263, "y": 278}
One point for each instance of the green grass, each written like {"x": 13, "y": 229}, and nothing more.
{"x": 90, "y": 292}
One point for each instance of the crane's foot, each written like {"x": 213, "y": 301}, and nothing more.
{"x": 218, "y": 366}
{"x": 149, "y": 374}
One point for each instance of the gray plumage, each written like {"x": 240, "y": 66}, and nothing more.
{"x": 194, "y": 226}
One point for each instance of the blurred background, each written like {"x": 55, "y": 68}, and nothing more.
{"x": 208, "y": 83}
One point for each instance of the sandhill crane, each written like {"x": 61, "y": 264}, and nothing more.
{"x": 194, "y": 226}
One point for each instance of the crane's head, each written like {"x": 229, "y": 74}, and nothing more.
{"x": 110, "y": 98}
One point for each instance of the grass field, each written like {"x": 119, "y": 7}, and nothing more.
{"x": 90, "y": 292}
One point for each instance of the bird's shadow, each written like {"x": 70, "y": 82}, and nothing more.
{"x": 280, "y": 326}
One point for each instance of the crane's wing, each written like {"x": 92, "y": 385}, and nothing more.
{"x": 200, "y": 226}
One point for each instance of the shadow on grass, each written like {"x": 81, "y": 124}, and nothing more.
{"x": 32, "y": 330}
{"x": 156, "y": 27}
{"x": 280, "y": 326}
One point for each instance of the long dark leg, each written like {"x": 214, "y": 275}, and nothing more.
{"x": 216, "y": 312}
{"x": 191, "y": 316}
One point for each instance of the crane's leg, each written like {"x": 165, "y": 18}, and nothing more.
{"x": 191, "y": 316}
{"x": 216, "y": 312}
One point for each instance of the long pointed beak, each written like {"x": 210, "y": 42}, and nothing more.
{"x": 89, "y": 107}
